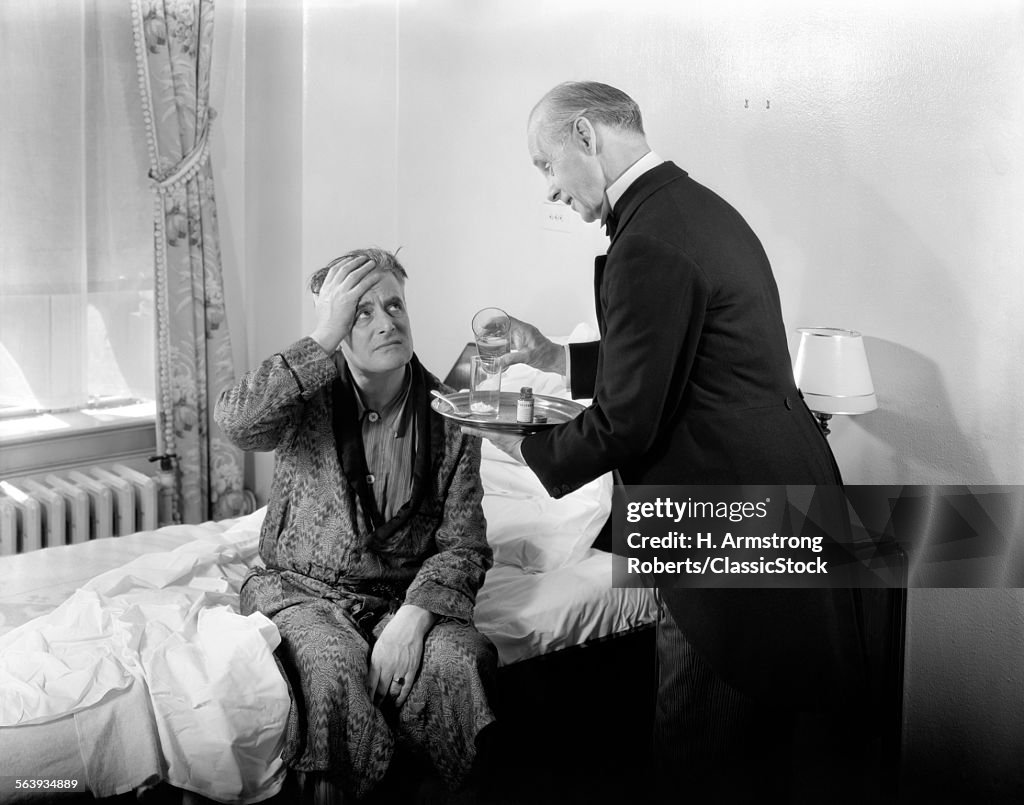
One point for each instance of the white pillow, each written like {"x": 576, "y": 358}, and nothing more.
{"x": 581, "y": 332}
{"x": 532, "y": 530}
{"x": 244, "y": 533}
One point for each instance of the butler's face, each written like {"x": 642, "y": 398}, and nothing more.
{"x": 571, "y": 168}
{"x": 381, "y": 337}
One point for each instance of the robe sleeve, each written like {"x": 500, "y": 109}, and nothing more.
{"x": 264, "y": 404}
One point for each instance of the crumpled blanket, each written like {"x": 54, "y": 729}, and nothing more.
{"x": 168, "y": 621}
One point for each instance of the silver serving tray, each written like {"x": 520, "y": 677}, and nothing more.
{"x": 557, "y": 411}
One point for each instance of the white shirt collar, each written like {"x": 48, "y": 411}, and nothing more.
{"x": 631, "y": 174}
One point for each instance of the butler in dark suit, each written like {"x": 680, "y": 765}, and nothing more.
{"x": 692, "y": 384}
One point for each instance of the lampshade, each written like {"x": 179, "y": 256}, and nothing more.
{"x": 832, "y": 371}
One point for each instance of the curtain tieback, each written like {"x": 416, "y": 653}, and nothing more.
{"x": 190, "y": 164}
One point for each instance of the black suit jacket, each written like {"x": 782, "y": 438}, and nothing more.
{"x": 692, "y": 384}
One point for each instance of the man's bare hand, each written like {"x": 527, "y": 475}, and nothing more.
{"x": 397, "y": 653}
{"x": 508, "y": 443}
{"x": 341, "y": 291}
{"x": 531, "y": 347}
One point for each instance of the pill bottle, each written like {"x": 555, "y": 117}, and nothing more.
{"x": 524, "y": 406}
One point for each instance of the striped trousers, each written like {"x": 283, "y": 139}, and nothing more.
{"x": 710, "y": 740}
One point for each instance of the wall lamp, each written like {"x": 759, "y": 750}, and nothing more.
{"x": 831, "y": 371}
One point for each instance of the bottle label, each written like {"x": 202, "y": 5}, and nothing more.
{"x": 524, "y": 411}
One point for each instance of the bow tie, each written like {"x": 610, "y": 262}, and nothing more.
{"x": 611, "y": 221}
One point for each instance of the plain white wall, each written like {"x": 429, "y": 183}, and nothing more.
{"x": 875, "y": 147}
{"x": 274, "y": 157}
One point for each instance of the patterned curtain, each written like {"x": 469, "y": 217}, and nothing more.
{"x": 173, "y": 43}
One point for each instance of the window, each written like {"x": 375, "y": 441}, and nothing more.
{"x": 76, "y": 250}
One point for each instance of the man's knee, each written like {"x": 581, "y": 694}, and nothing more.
{"x": 323, "y": 658}
{"x": 456, "y": 647}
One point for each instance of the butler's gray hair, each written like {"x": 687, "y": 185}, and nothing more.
{"x": 599, "y": 103}
{"x": 385, "y": 260}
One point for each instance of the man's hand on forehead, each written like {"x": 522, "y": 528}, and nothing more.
{"x": 357, "y": 266}
{"x": 340, "y": 294}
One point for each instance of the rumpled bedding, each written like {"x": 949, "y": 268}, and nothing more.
{"x": 168, "y": 622}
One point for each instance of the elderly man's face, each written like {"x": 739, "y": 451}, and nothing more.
{"x": 573, "y": 174}
{"x": 381, "y": 337}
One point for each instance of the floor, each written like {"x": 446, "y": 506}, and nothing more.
{"x": 595, "y": 783}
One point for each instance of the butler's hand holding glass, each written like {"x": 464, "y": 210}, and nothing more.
{"x": 530, "y": 346}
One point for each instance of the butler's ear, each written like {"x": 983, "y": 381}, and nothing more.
{"x": 584, "y": 135}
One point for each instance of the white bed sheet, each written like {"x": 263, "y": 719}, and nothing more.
{"x": 151, "y": 652}
{"x": 35, "y": 583}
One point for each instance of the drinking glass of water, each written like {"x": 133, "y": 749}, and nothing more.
{"x": 491, "y": 329}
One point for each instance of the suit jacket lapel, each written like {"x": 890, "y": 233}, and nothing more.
{"x": 646, "y": 185}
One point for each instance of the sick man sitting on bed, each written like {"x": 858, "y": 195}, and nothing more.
{"x": 374, "y": 540}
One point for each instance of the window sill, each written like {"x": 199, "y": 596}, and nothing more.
{"x": 49, "y": 442}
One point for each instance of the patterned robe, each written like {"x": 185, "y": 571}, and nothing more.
{"x": 336, "y": 572}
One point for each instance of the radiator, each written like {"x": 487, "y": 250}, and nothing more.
{"x": 75, "y": 506}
